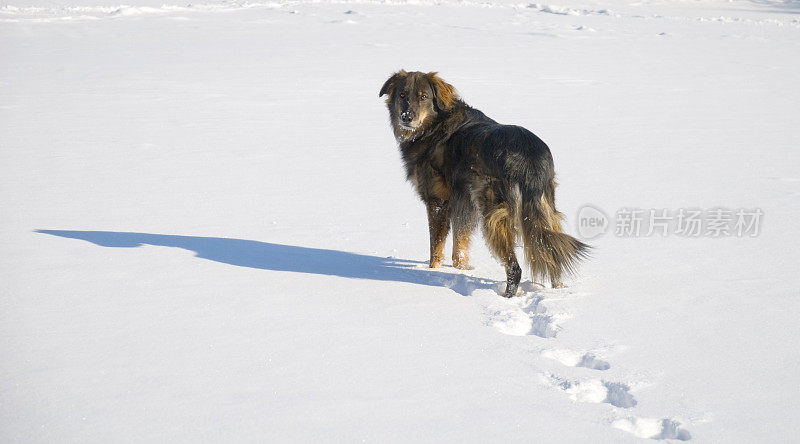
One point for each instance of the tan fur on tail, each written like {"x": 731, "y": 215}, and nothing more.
{"x": 548, "y": 250}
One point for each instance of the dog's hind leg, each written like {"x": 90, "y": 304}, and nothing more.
{"x": 501, "y": 235}
{"x": 439, "y": 225}
{"x": 464, "y": 219}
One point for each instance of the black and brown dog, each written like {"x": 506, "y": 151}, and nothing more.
{"x": 468, "y": 168}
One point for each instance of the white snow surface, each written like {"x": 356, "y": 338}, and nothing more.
{"x": 207, "y": 235}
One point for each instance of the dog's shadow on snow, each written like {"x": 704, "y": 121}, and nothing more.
{"x": 279, "y": 257}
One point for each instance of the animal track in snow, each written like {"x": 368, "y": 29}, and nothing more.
{"x": 595, "y": 390}
{"x": 531, "y": 314}
{"x": 525, "y": 314}
{"x": 572, "y": 358}
{"x": 653, "y": 428}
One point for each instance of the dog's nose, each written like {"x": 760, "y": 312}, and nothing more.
{"x": 405, "y": 117}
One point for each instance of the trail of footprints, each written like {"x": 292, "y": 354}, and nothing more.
{"x": 529, "y": 314}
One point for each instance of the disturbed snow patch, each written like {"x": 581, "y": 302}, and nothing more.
{"x": 524, "y": 315}
{"x": 597, "y": 391}
{"x": 653, "y": 428}
{"x": 572, "y": 358}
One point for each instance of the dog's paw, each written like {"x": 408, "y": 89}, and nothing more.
{"x": 462, "y": 266}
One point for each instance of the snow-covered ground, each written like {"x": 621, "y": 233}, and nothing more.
{"x": 207, "y": 235}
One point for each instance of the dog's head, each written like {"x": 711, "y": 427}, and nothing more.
{"x": 415, "y": 99}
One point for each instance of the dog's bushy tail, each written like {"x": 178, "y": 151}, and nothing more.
{"x": 548, "y": 250}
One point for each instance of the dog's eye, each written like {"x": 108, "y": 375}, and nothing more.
{"x": 402, "y": 95}
{"x": 423, "y": 98}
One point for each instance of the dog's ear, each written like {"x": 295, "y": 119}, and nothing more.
{"x": 444, "y": 93}
{"x": 391, "y": 82}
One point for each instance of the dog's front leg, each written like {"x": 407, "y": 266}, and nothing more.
{"x": 464, "y": 219}
{"x": 439, "y": 225}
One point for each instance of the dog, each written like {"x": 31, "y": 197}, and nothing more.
{"x": 470, "y": 170}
